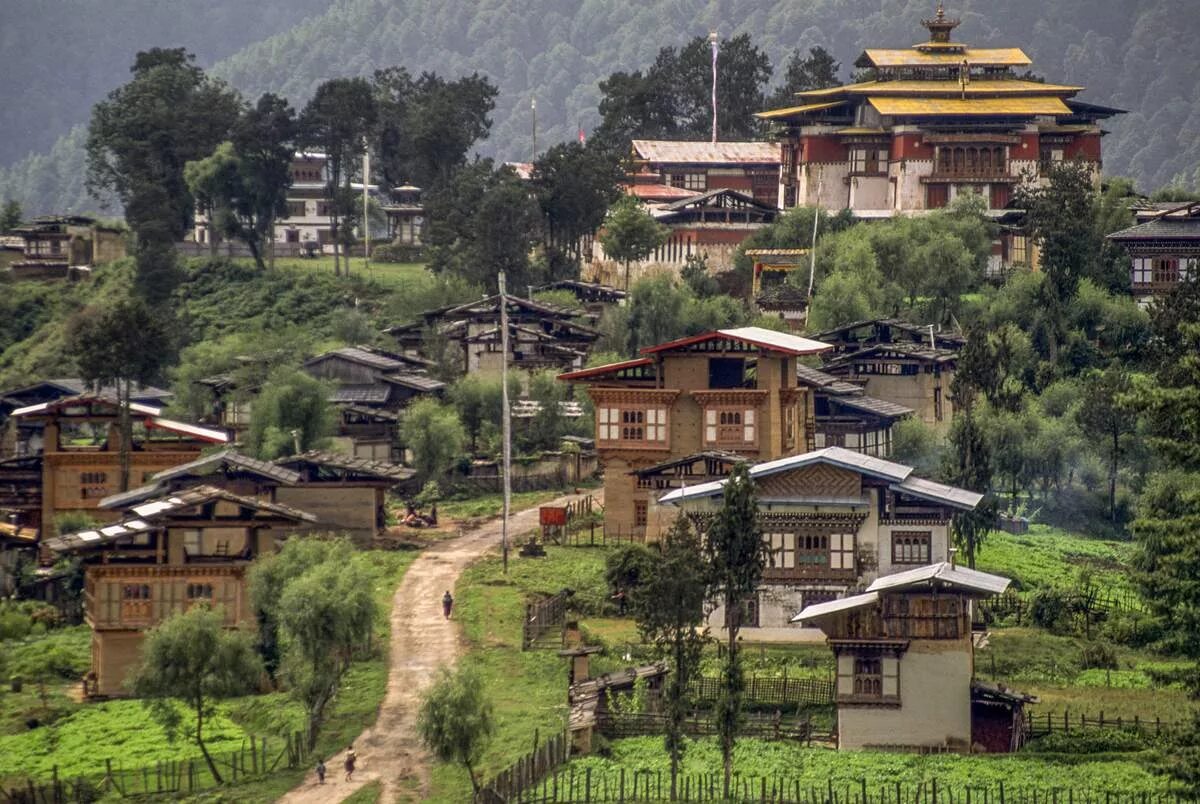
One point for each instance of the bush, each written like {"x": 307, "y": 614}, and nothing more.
{"x": 1050, "y": 610}
{"x": 1100, "y": 655}
{"x": 396, "y": 252}
{"x": 625, "y": 567}
{"x": 1090, "y": 741}
{"x": 1136, "y": 629}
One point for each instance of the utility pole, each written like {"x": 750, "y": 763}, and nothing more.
{"x": 533, "y": 111}
{"x": 812, "y": 257}
{"x": 505, "y": 421}
{"x": 714, "y": 42}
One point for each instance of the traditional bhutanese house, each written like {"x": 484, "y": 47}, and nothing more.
{"x": 165, "y": 556}
{"x": 592, "y": 295}
{"x": 370, "y": 389}
{"x": 897, "y": 362}
{"x": 905, "y": 660}
{"x": 844, "y": 416}
{"x": 227, "y": 469}
{"x": 709, "y": 225}
{"x": 16, "y": 542}
{"x": 347, "y": 495}
{"x": 24, "y": 437}
{"x": 750, "y": 168}
{"x": 732, "y": 390}
{"x": 832, "y": 521}
{"x": 21, "y": 493}
{"x": 61, "y": 246}
{"x": 930, "y": 123}
{"x": 1165, "y": 249}
{"x": 405, "y": 216}
{"x": 772, "y": 293}
{"x": 81, "y": 453}
{"x": 541, "y": 336}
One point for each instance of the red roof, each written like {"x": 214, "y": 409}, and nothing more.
{"x": 608, "y": 368}
{"x": 659, "y": 192}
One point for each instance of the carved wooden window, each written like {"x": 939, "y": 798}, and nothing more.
{"x": 690, "y": 181}
{"x": 866, "y": 678}
{"x": 841, "y": 551}
{"x": 729, "y": 426}
{"x": 923, "y": 617}
{"x": 868, "y": 160}
{"x": 782, "y": 550}
{"x": 632, "y": 425}
{"x": 93, "y": 485}
{"x": 911, "y": 547}
{"x": 640, "y": 516}
{"x": 135, "y": 591}
{"x": 192, "y": 541}
{"x": 199, "y": 591}
{"x": 1165, "y": 270}
{"x": 1019, "y": 250}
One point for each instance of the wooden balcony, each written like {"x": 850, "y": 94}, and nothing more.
{"x": 808, "y": 572}
{"x": 139, "y": 597}
{"x": 968, "y": 176}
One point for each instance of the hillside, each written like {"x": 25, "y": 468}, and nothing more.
{"x": 1136, "y": 56}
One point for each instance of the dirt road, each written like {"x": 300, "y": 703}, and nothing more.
{"x": 422, "y": 642}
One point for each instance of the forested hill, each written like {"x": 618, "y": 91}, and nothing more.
{"x": 1138, "y": 55}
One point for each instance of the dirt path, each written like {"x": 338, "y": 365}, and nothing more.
{"x": 422, "y": 642}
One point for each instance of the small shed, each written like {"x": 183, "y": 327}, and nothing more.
{"x": 998, "y": 722}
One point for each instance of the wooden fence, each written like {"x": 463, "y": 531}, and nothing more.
{"x": 1039, "y": 725}
{"x": 526, "y": 772}
{"x": 494, "y": 484}
{"x": 781, "y": 691}
{"x": 598, "y": 535}
{"x": 1086, "y": 602}
{"x": 255, "y": 758}
{"x": 763, "y": 727}
{"x": 544, "y": 621}
{"x": 572, "y": 785}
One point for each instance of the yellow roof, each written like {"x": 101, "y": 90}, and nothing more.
{"x": 1047, "y": 105}
{"x": 835, "y": 91}
{"x": 976, "y": 87}
{"x": 909, "y": 57}
{"x": 792, "y": 111}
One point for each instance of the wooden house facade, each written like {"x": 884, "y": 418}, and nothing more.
{"x": 833, "y": 521}
{"x": 844, "y": 416}
{"x": 61, "y": 246}
{"x": 905, "y": 663}
{"x": 164, "y": 556}
{"x": 734, "y": 391}
{"x": 1164, "y": 250}
{"x": 540, "y": 336}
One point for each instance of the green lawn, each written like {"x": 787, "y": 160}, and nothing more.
{"x": 489, "y": 505}
{"x": 385, "y": 273}
{"x": 122, "y": 730}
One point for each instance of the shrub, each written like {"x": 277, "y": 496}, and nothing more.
{"x": 1090, "y": 741}
{"x": 625, "y": 567}
{"x": 1101, "y": 655}
{"x": 1136, "y": 629}
{"x": 1050, "y": 610}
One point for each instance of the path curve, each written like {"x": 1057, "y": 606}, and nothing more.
{"x": 422, "y": 641}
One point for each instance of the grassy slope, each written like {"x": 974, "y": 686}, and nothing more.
{"x": 1049, "y": 556}
{"x": 123, "y": 731}
{"x": 390, "y": 274}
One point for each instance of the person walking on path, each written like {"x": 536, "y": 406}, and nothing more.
{"x": 351, "y": 757}
{"x": 320, "y": 771}
{"x": 447, "y": 604}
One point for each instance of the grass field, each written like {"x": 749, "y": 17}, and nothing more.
{"x": 385, "y": 273}
{"x": 1047, "y": 556}
{"x": 122, "y": 730}
{"x": 820, "y": 767}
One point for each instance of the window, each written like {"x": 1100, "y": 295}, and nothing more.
{"x": 937, "y": 404}
{"x": 868, "y": 160}
{"x": 923, "y": 616}
{"x": 135, "y": 592}
{"x": 841, "y": 551}
{"x": 324, "y": 209}
{"x": 1019, "y": 250}
{"x": 632, "y": 425}
{"x": 936, "y": 196}
{"x": 690, "y": 181}
{"x": 782, "y": 550}
{"x": 192, "y": 542}
{"x": 295, "y": 209}
{"x": 911, "y": 547}
{"x": 729, "y": 426}
{"x": 1047, "y": 156}
{"x": 1165, "y": 270}
{"x": 640, "y": 517}
{"x": 869, "y": 678}
{"x": 93, "y": 485}
{"x": 749, "y": 613}
{"x": 199, "y": 591}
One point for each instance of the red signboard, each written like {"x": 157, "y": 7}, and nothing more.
{"x": 553, "y": 515}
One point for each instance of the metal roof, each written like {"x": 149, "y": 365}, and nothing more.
{"x": 1177, "y": 222}
{"x": 940, "y": 493}
{"x": 607, "y": 368}
{"x": 360, "y": 393}
{"x": 659, "y": 192}
{"x": 365, "y": 356}
{"x": 229, "y": 458}
{"x": 877, "y": 407}
{"x": 974, "y": 56}
{"x": 124, "y": 499}
{"x": 144, "y": 517}
{"x": 80, "y": 399}
{"x": 834, "y": 606}
{"x": 929, "y": 107}
{"x": 73, "y": 386}
{"x": 362, "y": 466}
{"x": 976, "y": 87}
{"x": 712, "y": 153}
{"x": 418, "y": 382}
{"x": 794, "y": 111}
{"x": 943, "y": 573}
{"x": 183, "y": 428}
{"x": 756, "y": 336}
{"x": 700, "y": 198}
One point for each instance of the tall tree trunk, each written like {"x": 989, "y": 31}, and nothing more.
{"x": 732, "y": 670}
{"x": 271, "y": 243}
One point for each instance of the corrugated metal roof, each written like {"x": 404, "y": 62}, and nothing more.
{"x": 80, "y": 399}
{"x": 145, "y": 516}
{"x": 659, "y": 192}
{"x": 229, "y": 458}
{"x": 362, "y": 466}
{"x": 755, "y": 336}
{"x": 419, "y": 382}
{"x": 938, "y": 492}
{"x": 919, "y": 107}
{"x": 795, "y": 111}
{"x": 943, "y": 574}
{"x": 607, "y": 368}
{"x": 869, "y": 404}
{"x": 829, "y": 92}
{"x": 367, "y": 357}
{"x": 124, "y": 499}
{"x": 818, "y": 610}
{"x": 359, "y": 393}
{"x": 1178, "y": 222}
{"x": 976, "y": 57}
{"x": 183, "y": 428}
{"x": 707, "y": 153}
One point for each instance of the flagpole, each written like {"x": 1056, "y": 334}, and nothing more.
{"x": 713, "y": 41}
{"x": 505, "y": 421}
{"x": 366, "y": 218}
